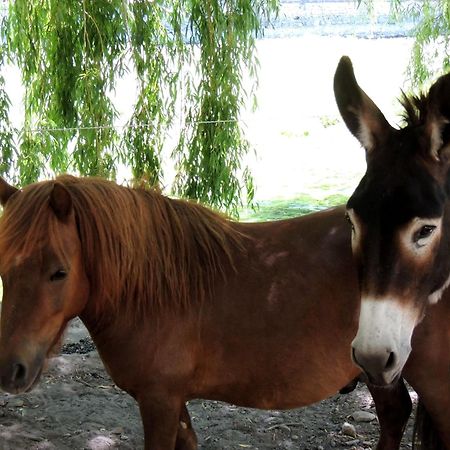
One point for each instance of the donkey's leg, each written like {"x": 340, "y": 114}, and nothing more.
{"x": 428, "y": 368}
{"x": 434, "y": 393}
{"x": 186, "y": 438}
{"x": 161, "y": 418}
{"x": 393, "y": 405}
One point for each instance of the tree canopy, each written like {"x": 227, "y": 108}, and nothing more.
{"x": 71, "y": 55}
{"x": 431, "y": 33}
{"x": 189, "y": 57}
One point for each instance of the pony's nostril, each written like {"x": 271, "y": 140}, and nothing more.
{"x": 19, "y": 372}
{"x": 391, "y": 361}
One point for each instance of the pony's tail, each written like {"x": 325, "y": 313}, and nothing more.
{"x": 425, "y": 435}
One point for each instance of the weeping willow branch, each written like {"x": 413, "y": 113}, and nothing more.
{"x": 6, "y": 129}
{"x": 71, "y": 55}
{"x": 224, "y": 33}
{"x": 431, "y": 48}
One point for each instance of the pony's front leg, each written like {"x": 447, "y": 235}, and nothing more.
{"x": 161, "y": 420}
{"x": 186, "y": 438}
{"x": 393, "y": 404}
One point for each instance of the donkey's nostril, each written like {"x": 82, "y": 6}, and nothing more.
{"x": 19, "y": 372}
{"x": 391, "y": 361}
{"x": 374, "y": 364}
{"x": 354, "y": 356}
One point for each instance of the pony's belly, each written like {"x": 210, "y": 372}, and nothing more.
{"x": 286, "y": 390}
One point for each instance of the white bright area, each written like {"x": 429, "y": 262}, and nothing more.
{"x": 301, "y": 145}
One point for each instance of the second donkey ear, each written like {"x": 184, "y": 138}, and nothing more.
{"x": 362, "y": 117}
{"x": 437, "y": 123}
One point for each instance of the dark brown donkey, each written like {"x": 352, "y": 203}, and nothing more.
{"x": 183, "y": 303}
{"x": 400, "y": 214}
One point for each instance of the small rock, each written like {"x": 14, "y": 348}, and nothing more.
{"x": 349, "y": 430}
{"x": 363, "y": 416}
{"x": 117, "y": 430}
{"x": 294, "y": 437}
{"x": 16, "y": 403}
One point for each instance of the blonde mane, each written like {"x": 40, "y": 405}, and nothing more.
{"x": 141, "y": 250}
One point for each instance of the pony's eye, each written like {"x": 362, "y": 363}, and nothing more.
{"x": 58, "y": 275}
{"x": 425, "y": 232}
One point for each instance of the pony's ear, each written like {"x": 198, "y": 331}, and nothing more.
{"x": 437, "y": 124}
{"x": 6, "y": 191}
{"x": 60, "y": 201}
{"x": 362, "y": 117}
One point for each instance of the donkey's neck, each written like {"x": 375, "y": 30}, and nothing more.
{"x": 442, "y": 260}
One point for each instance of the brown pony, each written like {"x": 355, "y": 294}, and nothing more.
{"x": 183, "y": 303}
{"x": 400, "y": 217}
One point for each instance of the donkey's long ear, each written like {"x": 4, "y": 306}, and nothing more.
{"x": 6, "y": 190}
{"x": 362, "y": 117}
{"x": 438, "y": 118}
{"x": 60, "y": 201}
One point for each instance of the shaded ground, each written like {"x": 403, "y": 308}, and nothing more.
{"x": 76, "y": 406}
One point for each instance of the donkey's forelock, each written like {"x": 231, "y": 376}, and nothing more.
{"x": 415, "y": 109}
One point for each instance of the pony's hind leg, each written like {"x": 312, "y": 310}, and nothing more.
{"x": 393, "y": 405}
{"x": 186, "y": 438}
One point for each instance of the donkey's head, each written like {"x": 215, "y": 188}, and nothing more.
{"x": 399, "y": 217}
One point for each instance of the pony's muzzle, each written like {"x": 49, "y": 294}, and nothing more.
{"x": 16, "y": 376}
{"x": 13, "y": 377}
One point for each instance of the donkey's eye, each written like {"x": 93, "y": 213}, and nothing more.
{"x": 425, "y": 232}
{"x": 58, "y": 275}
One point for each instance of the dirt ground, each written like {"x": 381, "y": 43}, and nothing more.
{"x": 76, "y": 406}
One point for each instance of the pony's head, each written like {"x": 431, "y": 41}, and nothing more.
{"x": 399, "y": 219}
{"x": 44, "y": 283}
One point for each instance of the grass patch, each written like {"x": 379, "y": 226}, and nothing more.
{"x": 328, "y": 121}
{"x": 287, "y": 208}
{"x": 294, "y": 134}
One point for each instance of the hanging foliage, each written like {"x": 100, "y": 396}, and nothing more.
{"x": 430, "y": 55}
{"x": 211, "y": 169}
{"x": 431, "y": 48}
{"x": 71, "y": 55}
{"x": 6, "y": 130}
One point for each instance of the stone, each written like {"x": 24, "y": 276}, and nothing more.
{"x": 349, "y": 430}
{"x": 16, "y": 403}
{"x": 363, "y": 416}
